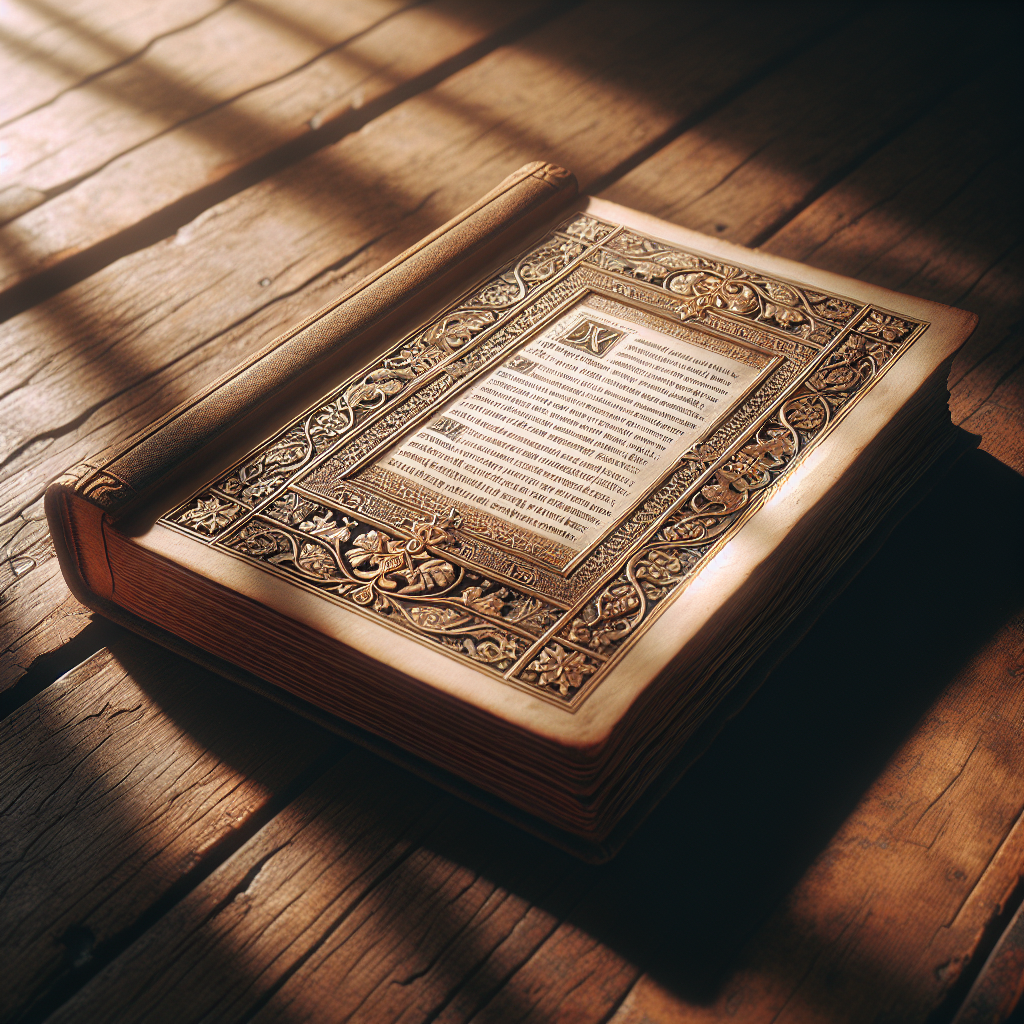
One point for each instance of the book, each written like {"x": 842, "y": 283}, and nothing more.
{"x": 524, "y": 508}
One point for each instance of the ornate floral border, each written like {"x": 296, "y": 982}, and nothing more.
{"x": 425, "y": 581}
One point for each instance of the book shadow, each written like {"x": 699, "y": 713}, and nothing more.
{"x": 721, "y": 852}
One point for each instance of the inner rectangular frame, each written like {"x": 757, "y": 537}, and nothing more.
{"x": 771, "y": 361}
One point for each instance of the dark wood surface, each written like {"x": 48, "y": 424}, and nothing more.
{"x": 182, "y": 181}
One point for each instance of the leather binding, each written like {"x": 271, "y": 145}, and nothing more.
{"x": 109, "y": 488}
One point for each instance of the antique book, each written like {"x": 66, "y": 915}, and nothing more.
{"x": 523, "y": 508}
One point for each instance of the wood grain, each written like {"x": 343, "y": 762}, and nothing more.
{"x": 1000, "y": 419}
{"x": 198, "y": 106}
{"x": 999, "y": 988}
{"x": 48, "y": 48}
{"x": 752, "y": 164}
{"x": 372, "y": 897}
{"x": 892, "y": 911}
{"x": 115, "y": 788}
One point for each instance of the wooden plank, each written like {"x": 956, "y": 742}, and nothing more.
{"x": 37, "y": 614}
{"x": 198, "y": 106}
{"x": 118, "y": 780}
{"x": 999, "y": 989}
{"x": 47, "y": 49}
{"x": 390, "y": 47}
{"x": 352, "y": 855}
{"x": 1000, "y": 420}
{"x": 110, "y": 354}
{"x": 370, "y": 898}
{"x": 907, "y": 217}
{"x": 232, "y": 51}
{"x": 754, "y": 163}
{"x": 977, "y": 386}
{"x": 108, "y": 332}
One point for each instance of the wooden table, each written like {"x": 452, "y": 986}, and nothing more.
{"x": 186, "y": 178}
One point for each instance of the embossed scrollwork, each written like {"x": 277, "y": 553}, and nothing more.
{"x": 662, "y": 565}
{"x": 407, "y": 581}
{"x": 434, "y": 578}
{"x": 702, "y": 284}
{"x": 854, "y": 362}
{"x": 210, "y": 514}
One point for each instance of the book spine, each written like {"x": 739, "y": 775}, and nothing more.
{"x": 126, "y": 471}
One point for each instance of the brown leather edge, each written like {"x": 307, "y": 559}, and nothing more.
{"x": 123, "y": 472}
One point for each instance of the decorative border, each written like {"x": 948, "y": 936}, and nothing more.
{"x": 429, "y": 579}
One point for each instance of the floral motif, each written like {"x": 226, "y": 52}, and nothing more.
{"x": 327, "y": 529}
{"x": 261, "y": 541}
{"x": 290, "y": 508}
{"x": 807, "y": 413}
{"x": 829, "y": 307}
{"x": 210, "y": 514}
{"x": 500, "y": 650}
{"x": 387, "y": 559}
{"x": 702, "y": 289}
{"x": 317, "y": 561}
{"x": 587, "y": 229}
{"x": 404, "y": 581}
{"x": 856, "y": 360}
{"x": 661, "y": 568}
{"x": 331, "y": 420}
{"x": 420, "y": 583}
{"x": 565, "y": 670}
{"x": 503, "y": 290}
{"x": 543, "y": 263}
{"x": 881, "y": 325}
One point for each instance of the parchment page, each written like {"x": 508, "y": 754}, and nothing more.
{"x": 566, "y": 435}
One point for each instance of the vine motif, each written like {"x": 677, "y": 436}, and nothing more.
{"x": 210, "y": 514}
{"x": 701, "y": 284}
{"x": 406, "y": 581}
{"x": 587, "y": 229}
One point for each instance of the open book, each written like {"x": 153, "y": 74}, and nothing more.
{"x": 522, "y": 508}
